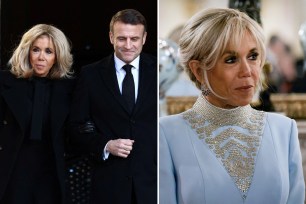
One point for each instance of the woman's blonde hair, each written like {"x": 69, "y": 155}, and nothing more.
{"x": 207, "y": 34}
{"x": 20, "y": 63}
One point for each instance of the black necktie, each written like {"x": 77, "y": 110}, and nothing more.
{"x": 128, "y": 87}
{"x": 37, "y": 110}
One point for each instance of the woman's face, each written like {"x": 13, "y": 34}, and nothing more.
{"x": 236, "y": 74}
{"x": 42, "y": 56}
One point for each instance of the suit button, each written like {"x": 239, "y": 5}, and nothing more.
{"x": 4, "y": 122}
{"x": 132, "y": 121}
{"x": 1, "y": 148}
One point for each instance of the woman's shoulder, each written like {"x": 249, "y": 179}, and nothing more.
{"x": 170, "y": 119}
{"x": 279, "y": 121}
{"x": 279, "y": 117}
{"x": 6, "y": 73}
{"x": 172, "y": 122}
{"x": 6, "y": 76}
{"x": 175, "y": 129}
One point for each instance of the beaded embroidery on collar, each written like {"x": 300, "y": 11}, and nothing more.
{"x": 233, "y": 135}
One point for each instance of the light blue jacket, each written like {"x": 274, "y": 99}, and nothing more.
{"x": 189, "y": 172}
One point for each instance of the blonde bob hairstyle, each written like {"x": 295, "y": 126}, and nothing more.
{"x": 207, "y": 34}
{"x": 20, "y": 63}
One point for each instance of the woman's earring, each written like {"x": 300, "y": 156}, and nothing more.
{"x": 205, "y": 90}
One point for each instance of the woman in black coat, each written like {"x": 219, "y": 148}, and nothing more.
{"x": 34, "y": 104}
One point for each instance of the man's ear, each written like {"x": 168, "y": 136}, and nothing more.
{"x": 196, "y": 70}
{"x": 111, "y": 37}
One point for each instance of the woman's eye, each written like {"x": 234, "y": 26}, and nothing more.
{"x": 49, "y": 51}
{"x": 253, "y": 56}
{"x": 231, "y": 59}
{"x": 35, "y": 49}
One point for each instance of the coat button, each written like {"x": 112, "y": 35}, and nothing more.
{"x": 1, "y": 148}
{"x": 4, "y": 122}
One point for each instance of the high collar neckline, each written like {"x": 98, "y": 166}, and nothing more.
{"x": 216, "y": 114}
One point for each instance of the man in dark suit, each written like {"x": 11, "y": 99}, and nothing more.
{"x": 114, "y": 116}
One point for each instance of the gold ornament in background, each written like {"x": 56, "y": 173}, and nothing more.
{"x": 178, "y": 104}
{"x": 292, "y": 105}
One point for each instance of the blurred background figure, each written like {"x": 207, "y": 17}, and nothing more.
{"x": 283, "y": 72}
{"x": 302, "y": 35}
{"x": 300, "y": 84}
